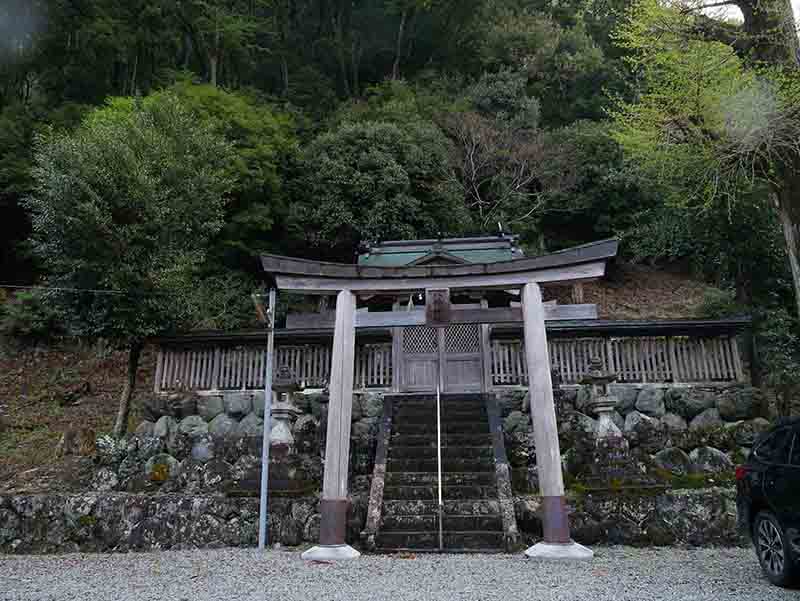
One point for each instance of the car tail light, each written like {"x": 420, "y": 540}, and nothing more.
{"x": 741, "y": 472}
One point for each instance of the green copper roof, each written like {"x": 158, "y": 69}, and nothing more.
{"x": 447, "y": 251}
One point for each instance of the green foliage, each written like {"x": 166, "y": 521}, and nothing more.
{"x": 28, "y": 318}
{"x": 694, "y": 481}
{"x": 127, "y": 205}
{"x": 608, "y": 192}
{"x": 264, "y": 145}
{"x": 778, "y": 340}
{"x": 704, "y": 123}
{"x": 674, "y": 127}
{"x": 564, "y": 67}
{"x": 504, "y": 96}
{"x": 375, "y": 180}
{"x": 399, "y": 102}
{"x": 719, "y": 303}
{"x": 220, "y": 302}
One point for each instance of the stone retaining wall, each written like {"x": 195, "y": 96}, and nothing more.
{"x": 211, "y": 443}
{"x": 101, "y": 522}
{"x": 97, "y": 522}
{"x": 698, "y": 517}
{"x": 673, "y": 430}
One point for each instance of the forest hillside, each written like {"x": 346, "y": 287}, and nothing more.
{"x": 151, "y": 149}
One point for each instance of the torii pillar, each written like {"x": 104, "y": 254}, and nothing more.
{"x": 557, "y": 543}
{"x": 334, "y": 503}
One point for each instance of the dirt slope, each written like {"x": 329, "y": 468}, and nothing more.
{"x": 43, "y": 393}
{"x": 640, "y": 292}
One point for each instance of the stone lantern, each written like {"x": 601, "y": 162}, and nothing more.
{"x": 600, "y": 401}
{"x": 284, "y": 411}
{"x": 611, "y": 455}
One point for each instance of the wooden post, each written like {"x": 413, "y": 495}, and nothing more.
{"x": 441, "y": 358}
{"x": 673, "y": 360}
{"x": 755, "y": 368}
{"x": 333, "y": 506}
{"x": 486, "y": 351}
{"x": 557, "y": 542}
{"x": 577, "y": 293}
{"x": 159, "y": 370}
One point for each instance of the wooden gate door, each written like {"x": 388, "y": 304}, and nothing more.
{"x": 457, "y": 348}
{"x": 420, "y": 359}
{"x": 462, "y": 358}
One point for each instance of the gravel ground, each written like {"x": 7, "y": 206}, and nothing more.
{"x": 617, "y": 573}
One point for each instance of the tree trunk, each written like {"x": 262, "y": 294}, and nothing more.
{"x": 771, "y": 32}
{"x": 285, "y": 75}
{"x": 770, "y": 25}
{"x": 135, "y": 73}
{"x": 214, "y": 58}
{"x": 783, "y": 200}
{"x": 121, "y": 425}
{"x": 399, "y": 46}
{"x": 340, "y": 54}
{"x": 355, "y": 59}
{"x": 212, "y": 63}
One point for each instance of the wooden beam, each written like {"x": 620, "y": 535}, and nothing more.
{"x": 570, "y": 257}
{"x": 487, "y": 281}
{"x": 399, "y": 319}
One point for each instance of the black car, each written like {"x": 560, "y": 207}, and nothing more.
{"x": 768, "y": 501}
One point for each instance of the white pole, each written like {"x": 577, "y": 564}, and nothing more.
{"x": 265, "y": 441}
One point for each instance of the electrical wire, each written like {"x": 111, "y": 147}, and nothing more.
{"x": 79, "y": 290}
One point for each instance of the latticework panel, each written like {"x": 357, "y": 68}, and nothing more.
{"x": 462, "y": 338}
{"x": 419, "y": 340}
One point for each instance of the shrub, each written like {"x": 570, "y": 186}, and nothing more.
{"x": 719, "y": 303}
{"x": 29, "y": 319}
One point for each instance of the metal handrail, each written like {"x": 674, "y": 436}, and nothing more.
{"x": 439, "y": 461}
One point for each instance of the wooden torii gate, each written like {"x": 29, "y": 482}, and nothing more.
{"x": 583, "y": 263}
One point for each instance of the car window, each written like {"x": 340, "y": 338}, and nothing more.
{"x": 775, "y": 448}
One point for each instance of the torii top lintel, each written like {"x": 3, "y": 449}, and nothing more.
{"x": 580, "y": 263}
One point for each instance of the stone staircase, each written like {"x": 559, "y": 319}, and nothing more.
{"x": 409, "y": 513}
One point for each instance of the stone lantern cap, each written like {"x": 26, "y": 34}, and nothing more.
{"x": 597, "y": 381}
{"x": 596, "y": 377}
{"x": 284, "y": 381}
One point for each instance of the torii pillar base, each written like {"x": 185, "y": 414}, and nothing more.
{"x": 330, "y": 553}
{"x": 571, "y": 551}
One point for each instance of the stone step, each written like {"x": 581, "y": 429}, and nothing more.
{"x": 447, "y": 416}
{"x": 429, "y": 493}
{"x": 466, "y": 427}
{"x": 428, "y": 539}
{"x": 450, "y": 451}
{"x": 453, "y": 507}
{"x": 445, "y": 396}
{"x": 450, "y": 522}
{"x": 444, "y": 401}
{"x": 449, "y": 464}
{"x": 448, "y": 478}
{"x": 448, "y": 439}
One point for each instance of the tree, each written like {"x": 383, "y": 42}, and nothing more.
{"x": 220, "y": 28}
{"x": 373, "y": 181}
{"x": 123, "y": 209}
{"x": 265, "y": 145}
{"x": 722, "y": 115}
{"x": 563, "y": 66}
{"x": 503, "y": 162}
{"x": 607, "y": 192}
